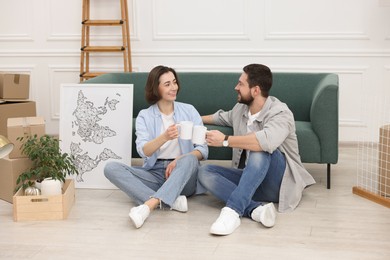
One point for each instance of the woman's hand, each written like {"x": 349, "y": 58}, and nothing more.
{"x": 170, "y": 167}
{"x": 172, "y": 132}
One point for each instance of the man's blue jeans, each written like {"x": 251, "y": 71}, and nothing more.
{"x": 141, "y": 184}
{"x": 245, "y": 189}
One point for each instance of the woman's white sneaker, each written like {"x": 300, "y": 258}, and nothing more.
{"x": 139, "y": 214}
{"x": 180, "y": 204}
{"x": 265, "y": 214}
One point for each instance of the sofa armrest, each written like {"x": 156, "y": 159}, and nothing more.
{"x": 324, "y": 117}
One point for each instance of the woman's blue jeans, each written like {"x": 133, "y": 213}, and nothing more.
{"x": 141, "y": 184}
{"x": 245, "y": 189}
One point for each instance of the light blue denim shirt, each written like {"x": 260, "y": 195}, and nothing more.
{"x": 148, "y": 126}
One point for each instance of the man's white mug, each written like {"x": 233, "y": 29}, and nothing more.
{"x": 185, "y": 129}
{"x": 199, "y": 134}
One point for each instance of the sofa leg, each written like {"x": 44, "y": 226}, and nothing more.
{"x": 328, "y": 176}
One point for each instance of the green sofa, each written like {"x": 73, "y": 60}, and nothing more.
{"x": 312, "y": 97}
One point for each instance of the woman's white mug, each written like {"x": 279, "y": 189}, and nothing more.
{"x": 185, "y": 129}
{"x": 199, "y": 134}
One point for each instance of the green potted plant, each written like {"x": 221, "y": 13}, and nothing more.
{"x": 48, "y": 161}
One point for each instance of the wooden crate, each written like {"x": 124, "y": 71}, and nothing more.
{"x": 44, "y": 207}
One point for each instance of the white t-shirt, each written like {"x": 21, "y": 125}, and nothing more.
{"x": 252, "y": 118}
{"x": 250, "y": 127}
{"x": 171, "y": 149}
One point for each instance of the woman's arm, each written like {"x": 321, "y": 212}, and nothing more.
{"x": 155, "y": 144}
{"x": 198, "y": 154}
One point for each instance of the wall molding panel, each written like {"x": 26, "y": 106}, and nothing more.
{"x": 326, "y": 21}
{"x": 16, "y": 37}
{"x": 261, "y": 53}
{"x": 203, "y": 29}
{"x": 97, "y": 34}
{"x": 17, "y": 22}
{"x": 57, "y": 75}
{"x": 350, "y": 38}
{"x": 19, "y": 68}
{"x": 316, "y": 36}
{"x": 205, "y": 53}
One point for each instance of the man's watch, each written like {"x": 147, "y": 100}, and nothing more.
{"x": 225, "y": 142}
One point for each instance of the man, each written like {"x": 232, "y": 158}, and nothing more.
{"x": 267, "y": 167}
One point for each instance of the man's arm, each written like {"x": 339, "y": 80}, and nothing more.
{"x": 247, "y": 142}
{"x": 208, "y": 119}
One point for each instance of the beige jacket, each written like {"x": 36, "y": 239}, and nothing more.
{"x": 275, "y": 129}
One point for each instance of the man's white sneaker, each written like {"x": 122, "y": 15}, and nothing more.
{"x": 139, "y": 214}
{"x": 180, "y": 204}
{"x": 226, "y": 223}
{"x": 265, "y": 214}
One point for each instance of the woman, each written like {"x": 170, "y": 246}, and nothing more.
{"x": 169, "y": 172}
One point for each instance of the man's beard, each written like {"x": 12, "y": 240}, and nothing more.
{"x": 245, "y": 100}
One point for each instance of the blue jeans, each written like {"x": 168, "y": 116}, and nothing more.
{"x": 245, "y": 189}
{"x": 141, "y": 184}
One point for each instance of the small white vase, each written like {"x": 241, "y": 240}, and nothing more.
{"x": 37, "y": 184}
{"x": 50, "y": 187}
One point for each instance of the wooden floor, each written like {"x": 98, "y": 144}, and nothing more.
{"x": 328, "y": 224}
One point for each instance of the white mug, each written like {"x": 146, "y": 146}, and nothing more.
{"x": 199, "y": 134}
{"x": 185, "y": 128}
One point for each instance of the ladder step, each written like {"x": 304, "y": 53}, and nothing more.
{"x": 121, "y": 23}
{"x": 88, "y": 75}
{"x": 103, "y": 48}
{"x": 102, "y": 22}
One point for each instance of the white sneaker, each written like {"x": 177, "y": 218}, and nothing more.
{"x": 139, "y": 214}
{"x": 226, "y": 223}
{"x": 180, "y": 204}
{"x": 265, "y": 214}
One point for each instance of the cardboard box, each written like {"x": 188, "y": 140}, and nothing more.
{"x": 44, "y": 207}
{"x": 23, "y": 126}
{"x": 15, "y": 109}
{"x": 14, "y": 86}
{"x": 10, "y": 169}
{"x": 384, "y": 161}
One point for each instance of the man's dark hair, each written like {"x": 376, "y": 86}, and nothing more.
{"x": 151, "y": 88}
{"x": 259, "y": 75}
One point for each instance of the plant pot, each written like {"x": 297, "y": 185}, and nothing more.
{"x": 37, "y": 184}
{"x": 50, "y": 187}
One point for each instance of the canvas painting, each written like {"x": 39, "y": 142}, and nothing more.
{"x": 95, "y": 127}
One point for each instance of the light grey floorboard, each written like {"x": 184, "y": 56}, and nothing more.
{"x": 328, "y": 224}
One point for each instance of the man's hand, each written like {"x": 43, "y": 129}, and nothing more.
{"x": 215, "y": 138}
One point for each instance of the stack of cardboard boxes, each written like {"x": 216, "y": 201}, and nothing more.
{"x": 17, "y": 119}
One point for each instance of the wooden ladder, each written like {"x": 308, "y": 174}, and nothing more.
{"x": 87, "y": 49}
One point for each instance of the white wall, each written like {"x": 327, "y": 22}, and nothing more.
{"x": 347, "y": 37}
